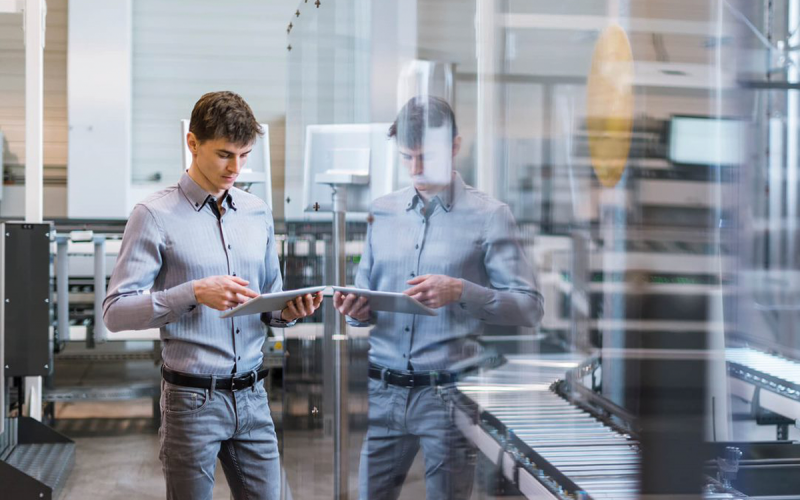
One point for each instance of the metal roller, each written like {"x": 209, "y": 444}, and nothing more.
{"x": 602, "y": 462}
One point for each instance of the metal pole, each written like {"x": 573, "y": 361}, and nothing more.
{"x": 99, "y": 289}
{"x": 34, "y": 23}
{"x": 341, "y": 469}
{"x": 486, "y": 46}
{"x": 35, "y": 11}
{"x": 792, "y": 132}
{"x": 62, "y": 287}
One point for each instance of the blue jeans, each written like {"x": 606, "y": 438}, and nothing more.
{"x": 198, "y": 426}
{"x": 401, "y": 421}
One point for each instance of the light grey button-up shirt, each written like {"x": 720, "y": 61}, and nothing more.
{"x": 174, "y": 237}
{"x": 463, "y": 234}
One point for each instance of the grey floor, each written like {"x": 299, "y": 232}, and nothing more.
{"x": 117, "y": 457}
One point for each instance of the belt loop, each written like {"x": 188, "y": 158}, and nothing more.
{"x": 385, "y": 382}
{"x": 213, "y": 387}
{"x": 255, "y": 379}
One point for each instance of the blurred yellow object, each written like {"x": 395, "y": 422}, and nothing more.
{"x": 278, "y": 345}
{"x": 609, "y": 117}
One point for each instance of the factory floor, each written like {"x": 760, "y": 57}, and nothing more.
{"x": 117, "y": 457}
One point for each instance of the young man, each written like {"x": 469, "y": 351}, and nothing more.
{"x": 454, "y": 249}
{"x": 189, "y": 251}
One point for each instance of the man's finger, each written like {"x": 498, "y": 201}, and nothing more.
{"x": 292, "y": 309}
{"x": 300, "y": 306}
{"x": 317, "y": 299}
{"x": 417, "y": 289}
{"x": 361, "y": 312}
{"x": 349, "y": 300}
{"x": 241, "y": 298}
{"x": 238, "y": 280}
{"x": 308, "y": 300}
{"x": 418, "y": 279}
{"x": 243, "y": 290}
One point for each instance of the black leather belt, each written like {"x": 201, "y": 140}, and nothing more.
{"x": 411, "y": 379}
{"x": 223, "y": 382}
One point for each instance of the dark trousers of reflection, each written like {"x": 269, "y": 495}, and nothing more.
{"x": 403, "y": 420}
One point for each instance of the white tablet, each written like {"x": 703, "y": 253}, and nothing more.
{"x": 269, "y": 302}
{"x": 389, "y": 301}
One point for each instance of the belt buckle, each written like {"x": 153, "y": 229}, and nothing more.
{"x": 250, "y": 381}
{"x": 410, "y": 383}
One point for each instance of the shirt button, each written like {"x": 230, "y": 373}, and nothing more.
{"x": 416, "y": 246}
{"x": 234, "y": 274}
{"x": 197, "y": 204}
{"x": 408, "y": 329}
{"x": 229, "y": 247}
{"x": 238, "y": 358}
{"x": 237, "y": 330}
{"x": 412, "y": 275}
{"x": 404, "y": 356}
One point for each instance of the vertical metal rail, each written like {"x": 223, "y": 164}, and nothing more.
{"x": 341, "y": 421}
{"x": 99, "y": 334}
{"x": 2, "y": 329}
{"x": 35, "y": 12}
{"x": 62, "y": 287}
{"x": 792, "y": 132}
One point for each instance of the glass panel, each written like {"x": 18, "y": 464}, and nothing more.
{"x": 610, "y": 264}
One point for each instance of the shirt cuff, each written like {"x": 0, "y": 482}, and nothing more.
{"x": 276, "y": 321}
{"x": 181, "y": 298}
{"x": 474, "y": 298}
{"x": 361, "y": 324}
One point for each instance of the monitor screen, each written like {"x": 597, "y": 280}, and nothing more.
{"x": 348, "y": 148}
{"x": 696, "y": 140}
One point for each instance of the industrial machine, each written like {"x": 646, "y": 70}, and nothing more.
{"x": 34, "y": 459}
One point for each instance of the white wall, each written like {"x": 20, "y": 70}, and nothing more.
{"x": 99, "y": 105}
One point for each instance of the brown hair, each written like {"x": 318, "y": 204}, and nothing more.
{"x": 224, "y": 115}
{"x": 419, "y": 113}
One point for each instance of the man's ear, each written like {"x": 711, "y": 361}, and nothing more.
{"x": 456, "y": 145}
{"x": 192, "y": 142}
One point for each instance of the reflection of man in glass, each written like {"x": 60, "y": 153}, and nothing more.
{"x": 454, "y": 249}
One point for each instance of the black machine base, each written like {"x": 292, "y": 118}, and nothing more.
{"x": 37, "y": 464}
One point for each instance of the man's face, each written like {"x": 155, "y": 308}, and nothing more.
{"x": 218, "y": 161}
{"x": 430, "y": 166}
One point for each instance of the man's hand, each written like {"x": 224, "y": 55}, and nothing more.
{"x": 435, "y": 290}
{"x": 301, "y": 306}
{"x": 222, "y": 292}
{"x": 357, "y": 307}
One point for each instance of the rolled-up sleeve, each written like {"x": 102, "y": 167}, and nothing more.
{"x": 362, "y": 278}
{"x": 130, "y": 303}
{"x": 274, "y": 285}
{"x": 513, "y": 297}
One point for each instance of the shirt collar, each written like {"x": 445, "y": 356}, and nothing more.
{"x": 446, "y": 197}
{"x": 198, "y": 196}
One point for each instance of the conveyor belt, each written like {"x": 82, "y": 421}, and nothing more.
{"x": 556, "y": 450}
{"x": 546, "y": 446}
{"x": 772, "y": 379}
